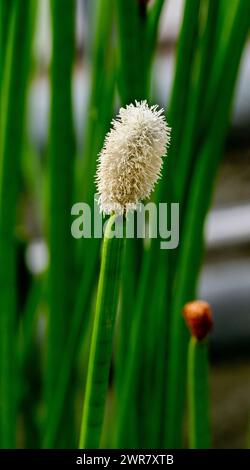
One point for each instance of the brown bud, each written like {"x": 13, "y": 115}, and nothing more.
{"x": 198, "y": 316}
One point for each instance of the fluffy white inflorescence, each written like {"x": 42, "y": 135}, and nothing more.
{"x": 131, "y": 159}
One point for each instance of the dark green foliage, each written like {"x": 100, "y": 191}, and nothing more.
{"x": 15, "y": 79}
{"x": 42, "y": 375}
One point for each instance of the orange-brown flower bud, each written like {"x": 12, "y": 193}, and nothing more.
{"x": 198, "y": 316}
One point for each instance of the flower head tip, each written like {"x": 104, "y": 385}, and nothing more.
{"x": 130, "y": 162}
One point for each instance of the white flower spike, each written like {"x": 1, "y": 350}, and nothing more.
{"x": 130, "y": 162}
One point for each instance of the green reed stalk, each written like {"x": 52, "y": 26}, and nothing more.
{"x": 133, "y": 81}
{"x": 153, "y": 25}
{"x": 194, "y": 71}
{"x": 137, "y": 34}
{"x": 126, "y": 401}
{"x": 102, "y": 339}
{"x": 14, "y": 92}
{"x": 100, "y": 112}
{"x": 5, "y": 20}
{"x": 99, "y": 117}
{"x": 192, "y": 240}
{"x": 152, "y": 380}
{"x": 141, "y": 377}
{"x": 178, "y": 107}
{"x": 29, "y": 317}
{"x": 198, "y": 84}
{"x": 186, "y": 43}
{"x": 78, "y": 329}
{"x": 198, "y": 395}
{"x": 100, "y": 106}
{"x": 29, "y": 393}
{"x": 229, "y": 38}
{"x": 185, "y": 54}
{"x": 62, "y": 153}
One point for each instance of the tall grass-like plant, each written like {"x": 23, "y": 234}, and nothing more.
{"x": 136, "y": 305}
{"x": 102, "y": 340}
{"x": 5, "y": 20}
{"x": 12, "y": 125}
{"x": 100, "y": 106}
{"x": 198, "y": 317}
{"x": 204, "y": 171}
{"x": 191, "y": 68}
{"x": 61, "y": 161}
{"x": 98, "y": 118}
{"x": 138, "y": 24}
{"x": 61, "y": 186}
{"x": 198, "y": 402}
{"x": 129, "y": 167}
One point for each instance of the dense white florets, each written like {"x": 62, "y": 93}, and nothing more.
{"x": 131, "y": 159}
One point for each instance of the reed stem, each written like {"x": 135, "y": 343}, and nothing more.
{"x": 62, "y": 153}
{"x": 198, "y": 395}
{"x": 191, "y": 247}
{"x": 78, "y": 329}
{"x": 5, "y": 20}
{"x": 12, "y": 125}
{"x": 99, "y": 116}
{"x": 137, "y": 30}
{"x": 102, "y": 339}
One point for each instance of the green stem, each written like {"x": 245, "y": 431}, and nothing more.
{"x": 132, "y": 34}
{"x": 185, "y": 53}
{"x": 198, "y": 84}
{"x": 14, "y": 92}
{"x": 126, "y": 310}
{"x": 137, "y": 40}
{"x": 100, "y": 106}
{"x": 132, "y": 368}
{"x": 102, "y": 339}
{"x": 154, "y": 14}
{"x": 178, "y": 105}
{"x": 190, "y": 252}
{"x": 29, "y": 318}
{"x": 235, "y": 21}
{"x": 5, "y": 19}
{"x": 78, "y": 328}
{"x": 99, "y": 116}
{"x": 62, "y": 152}
{"x": 153, "y": 353}
{"x": 198, "y": 395}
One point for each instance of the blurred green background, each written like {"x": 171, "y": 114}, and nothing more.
{"x": 66, "y": 67}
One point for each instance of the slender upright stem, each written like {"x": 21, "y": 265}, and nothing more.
{"x": 14, "y": 93}
{"x": 78, "y": 329}
{"x": 29, "y": 318}
{"x": 100, "y": 106}
{"x": 198, "y": 395}
{"x": 132, "y": 79}
{"x": 102, "y": 339}
{"x": 62, "y": 152}
{"x": 137, "y": 33}
{"x": 5, "y": 20}
{"x": 190, "y": 251}
{"x": 200, "y": 77}
{"x": 185, "y": 55}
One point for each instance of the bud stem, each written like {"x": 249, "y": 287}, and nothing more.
{"x": 198, "y": 395}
